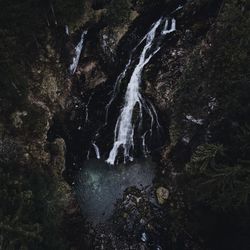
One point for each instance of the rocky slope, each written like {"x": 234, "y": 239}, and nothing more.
{"x": 202, "y": 83}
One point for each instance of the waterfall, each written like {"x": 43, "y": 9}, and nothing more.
{"x": 97, "y": 151}
{"x": 87, "y": 108}
{"x": 144, "y": 146}
{"x": 138, "y": 120}
{"x": 78, "y": 50}
{"x": 67, "y": 30}
{"x": 173, "y": 27}
{"x": 120, "y": 78}
{"x": 116, "y": 89}
{"x": 177, "y": 9}
{"x": 124, "y": 129}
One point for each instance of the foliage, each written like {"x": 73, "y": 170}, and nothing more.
{"x": 204, "y": 157}
{"x": 29, "y": 216}
{"x": 218, "y": 185}
{"x": 216, "y": 180}
{"x": 20, "y": 36}
{"x": 118, "y": 12}
{"x": 242, "y": 141}
{"x": 219, "y": 69}
{"x": 23, "y": 34}
{"x": 30, "y": 200}
{"x": 67, "y": 11}
{"x": 99, "y": 4}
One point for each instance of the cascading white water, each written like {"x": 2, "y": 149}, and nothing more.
{"x": 87, "y": 109}
{"x": 173, "y": 27}
{"x": 124, "y": 127}
{"x": 78, "y": 50}
{"x": 124, "y": 130}
{"x": 120, "y": 78}
{"x": 67, "y": 30}
{"x": 117, "y": 82}
{"x": 97, "y": 151}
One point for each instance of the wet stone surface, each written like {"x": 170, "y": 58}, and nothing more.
{"x": 120, "y": 206}
{"x": 99, "y": 186}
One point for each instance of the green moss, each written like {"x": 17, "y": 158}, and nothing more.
{"x": 35, "y": 122}
{"x": 68, "y": 11}
{"x": 221, "y": 186}
{"x": 13, "y": 87}
{"x": 29, "y": 209}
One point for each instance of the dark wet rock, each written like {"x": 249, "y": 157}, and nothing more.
{"x": 93, "y": 73}
{"x": 101, "y": 186}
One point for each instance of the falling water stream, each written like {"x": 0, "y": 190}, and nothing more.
{"x": 125, "y": 129}
{"x": 129, "y": 124}
{"x": 78, "y": 50}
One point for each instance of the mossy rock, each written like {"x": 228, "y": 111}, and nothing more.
{"x": 162, "y": 195}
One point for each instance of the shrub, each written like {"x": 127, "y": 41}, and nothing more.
{"x": 118, "y": 12}
{"x": 221, "y": 186}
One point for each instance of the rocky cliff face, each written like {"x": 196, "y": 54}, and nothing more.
{"x": 36, "y": 90}
{"x": 32, "y": 186}
{"x": 34, "y": 87}
{"x": 196, "y": 84}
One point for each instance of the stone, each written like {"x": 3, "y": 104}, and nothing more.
{"x": 162, "y": 195}
{"x": 93, "y": 73}
{"x": 17, "y": 118}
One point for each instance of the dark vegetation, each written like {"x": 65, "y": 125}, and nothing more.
{"x": 31, "y": 205}
{"x": 29, "y": 217}
{"x": 216, "y": 87}
{"x": 118, "y": 12}
{"x": 25, "y": 27}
